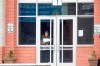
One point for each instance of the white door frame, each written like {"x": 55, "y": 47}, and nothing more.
{"x": 56, "y": 40}
{"x": 38, "y": 40}
{"x": 74, "y": 40}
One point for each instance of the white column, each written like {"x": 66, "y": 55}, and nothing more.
{"x": 2, "y": 22}
{"x": 59, "y": 2}
{"x": 54, "y": 2}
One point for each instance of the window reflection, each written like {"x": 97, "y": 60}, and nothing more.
{"x": 27, "y": 30}
{"x": 87, "y": 25}
{"x": 68, "y": 9}
{"x": 85, "y": 8}
{"x": 27, "y": 9}
{"x": 68, "y": 32}
{"x": 45, "y": 32}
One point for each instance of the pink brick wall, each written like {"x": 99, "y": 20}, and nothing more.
{"x": 82, "y": 55}
{"x": 10, "y": 18}
{"x": 97, "y": 45}
{"x": 22, "y": 54}
{"x": 25, "y": 54}
{"x": 97, "y": 11}
{"x": 1, "y": 54}
{"x": 97, "y": 21}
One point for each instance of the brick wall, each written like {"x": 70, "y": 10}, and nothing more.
{"x": 10, "y": 18}
{"x": 97, "y": 11}
{"x": 97, "y": 21}
{"x": 25, "y": 54}
{"x": 97, "y": 45}
{"x": 82, "y": 55}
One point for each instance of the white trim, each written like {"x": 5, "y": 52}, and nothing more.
{"x": 4, "y": 23}
{"x": 26, "y": 16}
{"x": 68, "y": 1}
{"x": 84, "y": 45}
{"x": 38, "y": 40}
{"x": 27, "y": 1}
{"x": 45, "y": 1}
{"x": 74, "y": 42}
{"x": 54, "y": 2}
{"x": 57, "y": 50}
{"x": 18, "y": 21}
{"x": 85, "y": 15}
{"x": 86, "y": 1}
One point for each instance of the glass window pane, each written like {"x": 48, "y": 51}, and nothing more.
{"x": 27, "y": 31}
{"x": 60, "y": 31}
{"x": 60, "y": 56}
{"x": 49, "y": 9}
{"x": 85, "y": 9}
{"x": 44, "y": 56}
{"x": 52, "y": 57}
{"x": 45, "y": 32}
{"x": 27, "y": 9}
{"x": 67, "y": 56}
{"x": 68, "y": 32}
{"x": 69, "y": 9}
{"x": 52, "y": 32}
{"x": 87, "y": 25}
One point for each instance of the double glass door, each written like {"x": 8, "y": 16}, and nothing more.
{"x": 56, "y": 41}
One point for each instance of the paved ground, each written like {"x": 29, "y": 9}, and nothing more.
{"x": 22, "y": 65}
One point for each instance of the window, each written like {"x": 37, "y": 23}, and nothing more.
{"x": 68, "y": 9}
{"x": 27, "y": 9}
{"x": 27, "y": 31}
{"x": 49, "y": 9}
{"x": 86, "y": 24}
{"x": 85, "y": 9}
{"x": 27, "y": 24}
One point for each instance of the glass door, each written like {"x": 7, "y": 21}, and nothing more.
{"x": 46, "y": 41}
{"x": 66, "y": 41}
{"x": 56, "y": 41}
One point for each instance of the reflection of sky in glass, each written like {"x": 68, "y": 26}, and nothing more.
{"x": 86, "y": 8}
{"x": 27, "y": 19}
{"x": 27, "y": 30}
{"x": 27, "y": 9}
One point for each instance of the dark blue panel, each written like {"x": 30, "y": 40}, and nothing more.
{"x": 48, "y": 9}
{"x": 27, "y": 9}
{"x": 45, "y": 20}
{"x": 27, "y": 19}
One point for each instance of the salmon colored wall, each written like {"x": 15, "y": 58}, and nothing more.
{"x": 23, "y": 54}
{"x": 97, "y": 21}
{"x": 82, "y": 55}
{"x": 97, "y": 11}
{"x": 10, "y": 18}
{"x": 1, "y": 54}
{"x": 97, "y": 45}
